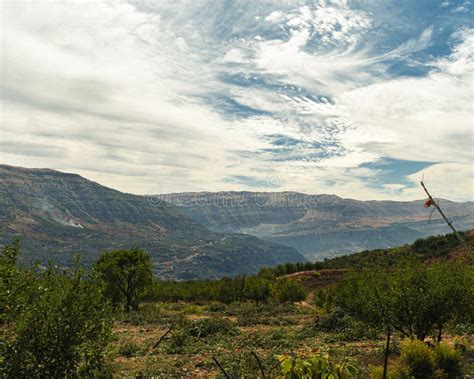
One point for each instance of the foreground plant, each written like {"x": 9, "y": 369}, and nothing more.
{"x": 55, "y": 323}
{"x": 317, "y": 366}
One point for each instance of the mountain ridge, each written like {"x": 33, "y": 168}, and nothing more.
{"x": 58, "y": 214}
{"x": 320, "y": 226}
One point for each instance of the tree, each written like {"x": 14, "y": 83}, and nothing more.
{"x": 126, "y": 273}
{"x": 412, "y": 299}
{"x": 63, "y": 330}
{"x": 256, "y": 289}
{"x": 228, "y": 290}
{"x": 289, "y": 291}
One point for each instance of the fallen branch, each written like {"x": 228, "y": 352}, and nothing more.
{"x": 220, "y": 367}
{"x": 259, "y": 363}
{"x": 162, "y": 338}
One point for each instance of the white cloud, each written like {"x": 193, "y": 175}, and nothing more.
{"x": 133, "y": 88}
{"x": 453, "y": 181}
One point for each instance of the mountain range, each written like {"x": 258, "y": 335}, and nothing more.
{"x": 57, "y": 215}
{"x": 201, "y": 235}
{"x": 320, "y": 226}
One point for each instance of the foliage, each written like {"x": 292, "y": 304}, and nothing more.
{"x": 257, "y": 289}
{"x": 209, "y": 326}
{"x": 289, "y": 268}
{"x": 413, "y": 299}
{"x": 130, "y": 350}
{"x": 422, "y": 249}
{"x": 64, "y": 329}
{"x": 228, "y": 290}
{"x": 324, "y": 298}
{"x": 289, "y": 291}
{"x": 346, "y": 327}
{"x": 317, "y": 366}
{"x": 126, "y": 273}
{"x": 14, "y": 283}
{"x": 448, "y": 360}
{"x": 393, "y": 372}
{"x": 418, "y": 357}
{"x": 420, "y": 361}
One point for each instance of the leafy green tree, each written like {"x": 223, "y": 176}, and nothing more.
{"x": 14, "y": 283}
{"x": 289, "y": 291}
{"x": 62, "y": 332}
{"x": 127, "y": 274}
{"x": 228, "y": 290}
{"x": 412, "y": 299}
{"x": 256, "y": 289}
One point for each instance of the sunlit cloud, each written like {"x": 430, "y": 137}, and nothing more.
{"x": 198, "y": 95}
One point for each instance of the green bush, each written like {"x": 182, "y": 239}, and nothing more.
{"x": 393, "y": 372}
{"x": 64, "y": 330}
{"x": 289, "y": 291}
{"x": 147, "y": 314}
{"x": 319, "y": 365}
{"x": 210, "y": 326}
{"x": 346, "y": 327}
{"x": 130, "y": 350}
{"x": 420, "y": 361}
{"x": 176, "y": 343}
{"x": 418, "y": 358}
{"x": 448, "y": 360}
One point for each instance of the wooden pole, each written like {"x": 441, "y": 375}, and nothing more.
{"x": 450, "y": 224}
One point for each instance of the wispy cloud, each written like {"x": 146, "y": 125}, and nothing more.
{"x": 210, "y": 95}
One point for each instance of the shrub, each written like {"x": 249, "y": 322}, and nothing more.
{"x": 177, "y": 342}
{"x": 418, "y": 358}
{"x": 130, "y": 350}
{"x": 448, "y": 360}
{"x": 420, "y": 361}
{"x": 319, "y": 365}
{"x": 348, "y": 328}
{"x": 289, "y": 291}
{"x": 64, "y": 330}
{"x": 394, "y": 372}
{"x": 209, "y": 326}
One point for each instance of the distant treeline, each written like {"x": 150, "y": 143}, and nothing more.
{"x": 228, "y": 290}
{"x": 423, "y": 249}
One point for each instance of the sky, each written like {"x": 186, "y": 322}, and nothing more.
{"x": 361, "y": 99}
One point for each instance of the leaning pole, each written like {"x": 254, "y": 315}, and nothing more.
{"x": 432, "y": 202}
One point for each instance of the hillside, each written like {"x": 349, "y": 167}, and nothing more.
{"x": 330, "y": 271}
{"x": 320, "y": 226}
{"x": 57, "y": 215}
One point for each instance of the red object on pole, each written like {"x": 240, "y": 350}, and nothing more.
{"x": 428, "y": 203}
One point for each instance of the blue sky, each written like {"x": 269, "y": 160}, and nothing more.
{"x": 356, "y": 98}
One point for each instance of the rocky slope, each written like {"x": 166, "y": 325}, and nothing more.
{"x": 320, "y": 226}
{"x": 57, "y": 215}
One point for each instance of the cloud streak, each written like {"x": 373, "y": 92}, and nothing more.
{"x": 152, "y": 96}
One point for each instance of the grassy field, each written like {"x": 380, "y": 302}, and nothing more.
{"x": 231, "y": 332}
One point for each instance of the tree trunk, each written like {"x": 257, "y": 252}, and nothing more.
{"x": 128, "y": 305}
{"x": 440, "y": 332}
{"x": 387, "y": 350}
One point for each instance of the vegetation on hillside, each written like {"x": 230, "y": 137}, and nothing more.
{"x": 71, "y": 323}
{"x": 423, "y": 249}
